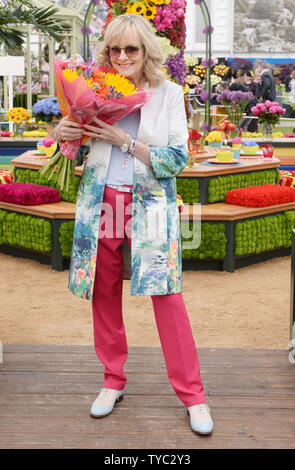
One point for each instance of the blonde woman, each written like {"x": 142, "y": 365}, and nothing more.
{"x": 128, "y": 188}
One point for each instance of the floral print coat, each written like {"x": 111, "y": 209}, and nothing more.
{"x": 155, "y": 240}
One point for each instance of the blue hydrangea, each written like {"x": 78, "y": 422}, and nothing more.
{"x": 47, "y": 107}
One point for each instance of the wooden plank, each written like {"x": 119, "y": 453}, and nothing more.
{"x": 56, "y": 210}
{"x": 200, "y": 170}
{"x": 223, "y": 211}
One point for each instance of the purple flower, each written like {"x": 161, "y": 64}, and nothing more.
{"x": 96, "y": 2}
{"x": 205, "y": 62}
{"x": 204, "y": 95}
{"x": 177, "y": 67}
{"x": 208, "y": 30}
{"x": 197, "y": 2}
{"x": 205, "y": 126}
{"x": 87, "y": 30}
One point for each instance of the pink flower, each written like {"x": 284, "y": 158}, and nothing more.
{"x": 268, "y": 103}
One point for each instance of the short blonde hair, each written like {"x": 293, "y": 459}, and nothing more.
{"x": 153, "y": 61}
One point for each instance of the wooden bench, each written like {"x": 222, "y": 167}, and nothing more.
{"x": 230, "y": 215}
{"x": 56, "y": 213}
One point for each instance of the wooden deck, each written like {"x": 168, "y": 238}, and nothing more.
{"x": 46, "y": 393}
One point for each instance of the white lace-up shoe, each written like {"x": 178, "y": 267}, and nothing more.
{"x": 105, "y": 402}
{"x": 200, "y": 419}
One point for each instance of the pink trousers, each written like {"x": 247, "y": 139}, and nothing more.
{"x": 172, "y": 321}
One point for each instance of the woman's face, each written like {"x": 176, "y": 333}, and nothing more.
{"x": 130, "y": 66}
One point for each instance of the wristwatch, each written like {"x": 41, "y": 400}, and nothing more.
{"x": 124, "y": 147}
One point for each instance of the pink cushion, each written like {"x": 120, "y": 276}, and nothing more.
{"x": 28, "y": 194}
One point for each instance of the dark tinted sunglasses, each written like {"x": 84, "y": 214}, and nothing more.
{"x": 130, "y": 51}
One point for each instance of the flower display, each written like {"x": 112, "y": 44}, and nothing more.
{"x": 194, "y": 141}
{"x": 85, "y": 92}
{"x": 214, "y": 136}
{"x": 177, "y": 67}
{"x": 28, "y": 194}
{"x": 215, "y": 79}
{"x": 167, "y": 18}
{"x": 6, "y": 176}
{"x": 200, "y": 70}
{"x": 45, "y": 110}
{"x": 191, "y": 61}
{"x": 18, "y": 115}
{"x": 268, "y": 112}
{"x": 261, "y": 196}
{"x": 235, "y": 103}
{"x": 192, "y": 79}
{"x": 221, "y": 70}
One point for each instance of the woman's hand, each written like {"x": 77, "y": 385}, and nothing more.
{"x": 111, "y": 133}
{"x": 67, "y": 130}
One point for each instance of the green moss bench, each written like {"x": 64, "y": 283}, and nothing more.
{"x": 234, "y": 236}
{"x": 43, "y": 232}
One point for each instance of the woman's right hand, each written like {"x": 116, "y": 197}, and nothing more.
{"x": 67, "y": 130}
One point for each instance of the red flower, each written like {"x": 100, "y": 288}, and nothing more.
{"x": 28, "y": 194}
{"x": 261, "y": 196}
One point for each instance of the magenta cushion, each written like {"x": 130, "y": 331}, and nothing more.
{"x": 28, "y": 194}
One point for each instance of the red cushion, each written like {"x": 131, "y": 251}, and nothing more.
{"x": 261, "y": 196}
{"x": 28, "y": 194}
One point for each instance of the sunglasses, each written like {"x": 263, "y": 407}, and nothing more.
{"x": 130, "y": 51}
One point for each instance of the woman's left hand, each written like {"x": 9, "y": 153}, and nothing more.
{"x": 111, "y": 133}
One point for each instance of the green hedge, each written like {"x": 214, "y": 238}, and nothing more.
{"x": 213, "y": 243}
{"x": 66, "y": 233}
{"x": 25, "y": 231}
{"x": 34, "y": 177}
{"x": 219, "y": 186}
{"x": 188, "y": 189}
{"x": 264, "y": 234}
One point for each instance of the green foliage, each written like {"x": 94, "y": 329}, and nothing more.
{"x": 20, "y": 12}
{"x": 25, "y": 231}
{"x": 264, "y": 234}
{"x": 188, "y": 189}
{"x": 66, "y": 233}
{"x": 219, "y": 186}
{"x": 213, "y": 243}
{"x": 34, "y": 177}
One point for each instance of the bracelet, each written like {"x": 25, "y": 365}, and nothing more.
{"x": 132, "y": 145}
{"x": 130, "y": 152}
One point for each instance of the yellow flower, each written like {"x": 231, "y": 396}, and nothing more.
{"x": 18, "y": 120}
{"x": 70, "y": 75}
{"x": 120, "y": 83}
{"x": 160, "y": 2}
{"x": 150, "y": 11}
{"x": 137, "y": 8}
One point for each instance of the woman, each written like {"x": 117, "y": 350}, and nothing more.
{"x": 128, "y": 187}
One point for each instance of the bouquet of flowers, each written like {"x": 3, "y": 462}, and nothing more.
{"x": 194, "y": 141}
{"x": 18, "y": 115}
{"x": 84, "y": 93}
{"x": 235, "y": 103}
{"x": 268, "y": 112}
{"x": 45, "y": 110}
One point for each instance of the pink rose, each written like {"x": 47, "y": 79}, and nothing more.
{"x": 268, "y": 103}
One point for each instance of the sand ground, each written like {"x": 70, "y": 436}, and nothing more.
{"x": 249, "y": 308}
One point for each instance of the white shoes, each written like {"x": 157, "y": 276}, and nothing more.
{"x": 105, "y": 402}
{"x": 200, "y": 419}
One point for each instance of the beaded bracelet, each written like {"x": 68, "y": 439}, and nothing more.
{"x": 130, "y": 152}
